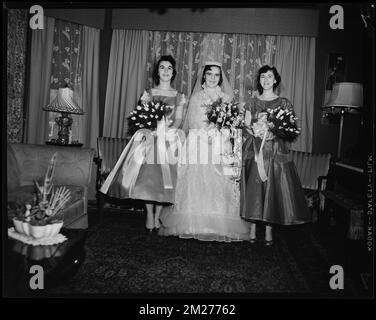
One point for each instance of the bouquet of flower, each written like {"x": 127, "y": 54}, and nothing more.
{"x": 282, "y": 123}
{"x": 146, "y": 115}
{"x": 228, "y": 115}
{"x": 225, "y": 114}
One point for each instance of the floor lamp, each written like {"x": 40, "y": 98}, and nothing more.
{"x": 345, "y": 98}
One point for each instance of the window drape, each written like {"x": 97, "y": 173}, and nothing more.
{"x": 39, "y": 88}
{"x": 16, "y": 70}
{"x": 64, "y": 53}
{"x": 295, "y": 60}
{"x": 66, "y": 71}
{"x": 241, "y": 56}
{"x": 134, "y": 54}
{"x": 126, "y": 79}
{"x": 66, "y": 62}
{"x": 88, "y": 123}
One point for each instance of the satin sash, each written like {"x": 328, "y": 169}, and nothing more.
{"x": 131, "y": 159}
{"x": 259, "y": 158}
{"x": 134, "y": 155}
{"x": 162, "y": 153}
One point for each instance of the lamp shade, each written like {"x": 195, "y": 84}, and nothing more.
{"x": 64, "y": 102}
{"x": 346, "y": 95}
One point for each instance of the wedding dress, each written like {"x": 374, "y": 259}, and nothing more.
{"x": 207, "y": 200}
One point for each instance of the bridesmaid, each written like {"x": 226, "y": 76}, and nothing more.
{"x": 280, "y": 198}
{"x": 152, "y": 181}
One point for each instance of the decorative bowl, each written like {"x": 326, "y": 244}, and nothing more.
{"x": 35, "y": 231}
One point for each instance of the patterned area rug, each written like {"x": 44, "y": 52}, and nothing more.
{"x": 122, "y": 258}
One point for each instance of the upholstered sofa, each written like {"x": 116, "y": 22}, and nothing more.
{"x": 29, "y": 162}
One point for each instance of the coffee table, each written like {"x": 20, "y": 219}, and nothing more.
{"x": 59, "y": 262}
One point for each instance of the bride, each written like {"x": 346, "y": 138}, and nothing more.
{"x": 206, "y": 199}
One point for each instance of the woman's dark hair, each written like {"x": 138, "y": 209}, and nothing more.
{"x": 208, "y": 67}
{"x": 156, "y": 68}
{"x": 265, "y": 69}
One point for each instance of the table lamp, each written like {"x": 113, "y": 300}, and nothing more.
{"x": 66, "y": 104}
{"x": 345, "y": 98}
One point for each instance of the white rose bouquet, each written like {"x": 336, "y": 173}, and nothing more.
{"x": 283, "y": 124}
{"x": 146, "y": 115}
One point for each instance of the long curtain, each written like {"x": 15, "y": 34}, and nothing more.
{"x": 126, "y": 79}
{"x": 295, "y": 60}
{"x": 63, "y": 54}
{"x": 39, "y": 88}
{"x": 67, "y": 71}
{"x": 66, "y": 62}
{"x": 134, "y": 54}
{"x": 16, "y": 67}
{"x": 185, "y": 48}
{"x": 88, "y": 123}
{"x": 241, "y": 55}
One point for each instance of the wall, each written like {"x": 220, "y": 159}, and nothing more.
{"x": 275, "y": 21}
{"x": 89, "y": 17}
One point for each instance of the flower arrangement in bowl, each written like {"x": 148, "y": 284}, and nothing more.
{"x": 44, "y": 218}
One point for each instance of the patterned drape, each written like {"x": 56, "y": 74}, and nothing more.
{"x": 184, "y": 47}
{"x": 16, "y": 60}
{"x": 66, "y": 64}
{"x": 66, "y": 68}
{"x": 241, "y": 56}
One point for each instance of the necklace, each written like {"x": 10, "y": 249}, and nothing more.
{"x": 216, "y": 93}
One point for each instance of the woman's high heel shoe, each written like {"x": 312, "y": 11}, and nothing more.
{"x": 252, "y": 237}
{"x": 252, "y": 240}
{"x": 157, "y": 224}
{"x": 268, "y": 243}
{"x": 149, "y": 230}
{"x": 149, "y": 227}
